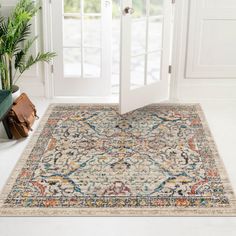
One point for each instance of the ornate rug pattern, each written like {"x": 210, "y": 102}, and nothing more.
{"x": 89, "y": 160}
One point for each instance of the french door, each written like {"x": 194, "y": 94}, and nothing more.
{"x": 82, "y": 38}
{"x": 145, "y": 52}
{"x": 81, "y": 35}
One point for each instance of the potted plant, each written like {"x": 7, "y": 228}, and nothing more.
{"x": 15, "y": 44}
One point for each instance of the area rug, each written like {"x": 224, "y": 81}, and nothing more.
{"x": 88, "y": 160}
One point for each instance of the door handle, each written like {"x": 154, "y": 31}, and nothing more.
{"x": 128, "y": 11}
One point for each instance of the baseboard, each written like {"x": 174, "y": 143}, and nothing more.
{"x": 207, "y": 92}
{"x": 110, "y": 99}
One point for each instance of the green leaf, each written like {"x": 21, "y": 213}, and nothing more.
{"x": 20, "y": 56}
{"x": 41, "y": 57}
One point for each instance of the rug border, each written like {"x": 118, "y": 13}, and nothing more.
{"x": 195, "y": 212}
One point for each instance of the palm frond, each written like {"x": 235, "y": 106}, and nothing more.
{"x": 20, "y": 56}
{"x": 41, "y": 57}
{"x": 28, "y": 6}
{"x": 3, "y": 35}
{"x": 23, "y": 35}
{"x": 18, "y": 25}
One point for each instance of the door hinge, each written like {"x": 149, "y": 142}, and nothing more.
{"x": 173, "y": 1}
{"x": 170, "y": 69}
{"x": 52, "y": 69}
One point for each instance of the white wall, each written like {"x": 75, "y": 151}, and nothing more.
{"x": 32, "y": 81}
{"x": 204, "y": 60}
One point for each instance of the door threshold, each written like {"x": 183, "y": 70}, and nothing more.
{"x": 70, "y": 99}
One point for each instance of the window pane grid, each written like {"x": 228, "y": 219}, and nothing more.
{"x": 71, "y": 46}
{"x": 143, "y": 18}
{"x": 75, "y": 15}
{"x": 146, "y": 50}
{"x": 82, "y": 12}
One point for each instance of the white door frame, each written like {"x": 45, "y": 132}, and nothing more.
{"x": 178, "y": 36}
{"x": 47, "y": 45}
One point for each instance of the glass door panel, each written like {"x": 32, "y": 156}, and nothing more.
{"x": 146, "y": 38}
{"x": 82, "y": 40}
{"x": 153, "y": 67}
{"x": 92, "y": 31}
{"x": 92, "y": 6}
{"x": 116, "y": 11}
{"x": 140, "y": 8}
{"x": 137, "y": 71}
{"x": 72, "y": 62}
{"x": 138, "y": 36}
{"x": 156, "y": 7}
{"x": 72, "y": 31}
{"x": 82, "y": 30}
{"x": 92, "y": 63}
{"x": 71, "y": 6}
{"x": 155, "y": 33}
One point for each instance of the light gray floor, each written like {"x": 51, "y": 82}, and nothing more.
{"x": 222, "y": 121}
